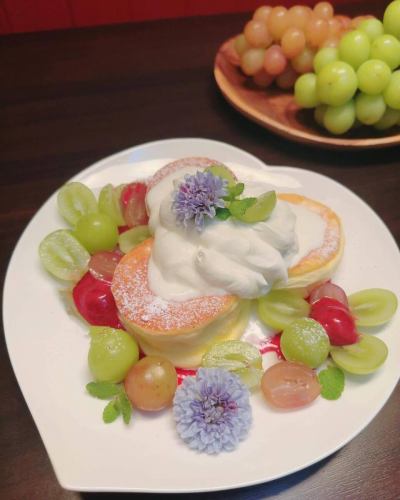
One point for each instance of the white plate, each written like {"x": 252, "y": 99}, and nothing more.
{"x": 48, "y": 350}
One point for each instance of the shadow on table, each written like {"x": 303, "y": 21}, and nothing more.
{"x": 265, "y": 490}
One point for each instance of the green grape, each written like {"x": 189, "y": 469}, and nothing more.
{"x": 112, "y": 352}
{"x": 339, "y": 119}
{"x": 63, "y": 256}
{"x": 324, "y": 57}
{"x": 319, "y": 114}
{"x": 391, "y": 19}
{"x": 369, "y": 108}
{"x": 224, "y": 172}
{"x": 279, "y": 308}
{"x": 241, "y": 44}
{"x": 238, "y": 357}
{"x": 336, "y": 83}
{"x": 387, "y": 49}
{"x": 74, "y": 200}
{"x": 133, "y": 237}
{"x": 260, "y": 210}
{"x": 305, "y": 90}
{"x": 390, "y": 118}
{"x": 354, "y": 48}
{"x": 372, "y": 28}
{"x": 109, "y": 204}
{"x": 97, "y": 232}
{"x": 373, "y": 76}
{"x": 305, "y": 341}
{"x": 373, "y": 307}
{"x": 361, "y": 358}
{"x": 391, "y": 94}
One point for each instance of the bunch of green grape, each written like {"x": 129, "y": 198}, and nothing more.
{"x": 357, "y": 82}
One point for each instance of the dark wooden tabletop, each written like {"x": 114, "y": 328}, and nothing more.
{"x": 70, "y": 98}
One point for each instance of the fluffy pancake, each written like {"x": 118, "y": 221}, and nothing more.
{"x": 182, "y": 331}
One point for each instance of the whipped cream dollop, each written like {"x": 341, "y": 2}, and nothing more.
{"x": 227, "y": 257}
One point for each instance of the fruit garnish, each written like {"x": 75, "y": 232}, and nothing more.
{"x": 151, "y": 383}
{"x": 331, "y": 380}
{"x": 328, "y": 289}
{"x": 75, "y": 200}
{"x": 102, "y": 265}
{"x": 279, "y": 308}
{"x": 110, "y": 204}
{"x": 112, "y": 353}
{"x": 119, "y": 405}
{"x": 362, "y": 358}
{"x": 95, "y": 302}
{"x": 133, "y": 204}
{"x": 62, "y": 255}
{"x": 336, "y": 320}
{"x": 305, "y": 341}
{"x": 373, "y": 306}
{"x": 238, "y": 357}
{"x": 290, "y": 385}
{"x": 258, "y": 211}
{"x": 224, "y": 172}
{"x": 97, "y": 232}
{"x": 132, "y": 237}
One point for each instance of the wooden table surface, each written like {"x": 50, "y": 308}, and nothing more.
{"x": 71, "y": 98}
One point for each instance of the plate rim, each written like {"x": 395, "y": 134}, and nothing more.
{"x": 93, "y": 167}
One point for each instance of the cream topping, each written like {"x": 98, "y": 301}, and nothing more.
{"x": 227, "y": 257}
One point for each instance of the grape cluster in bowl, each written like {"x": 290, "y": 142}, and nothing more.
{"x": 357, "y": 82}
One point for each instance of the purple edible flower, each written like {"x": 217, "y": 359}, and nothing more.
{"x": 199, "y": 196}
{"x": 212, "y": 410}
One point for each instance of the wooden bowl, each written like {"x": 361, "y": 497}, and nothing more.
{"x": 277, "y": 111}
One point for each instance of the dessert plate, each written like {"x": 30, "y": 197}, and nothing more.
{"x": 48, "y": 350}
{"x": 277, "y": 111}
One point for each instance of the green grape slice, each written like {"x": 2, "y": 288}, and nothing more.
{"x": 373, "y": 306}
{"x": 260, "y": 210}
{"x": 74, "y": 200}
{"x": 109, "y": 203}
{"x": 223, "y": 172}
{"x": 63, "y": 256}
{"x": 362, "y": 358}
{"x": 279, "y": 308}
{"x": 238, "y": 357}
{"x": 133, "y": 237}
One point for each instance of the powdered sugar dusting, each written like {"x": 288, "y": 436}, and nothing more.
{"x": 139, "y": 305}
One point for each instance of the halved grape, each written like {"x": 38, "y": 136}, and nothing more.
{"x": 133, "y": 202}
{"x": 224, "y": 172}
{"x": 74, "y": 200}
{"x": 97, "y": 232}
{"x": 63, "y": 256}
{"x": 290, "y": 385}
{"x": 112, "y": 353}
{"x": 305, "y": 341}
{"x": 109, "y": 203}
{"x": 261, "y": 209}
{"x": 373, "y": 307}
{"x": 331, "y": 290}
{"x": 102, "y": 265}
{"x": 279, "y": 308}
{"x": 133, "y": 237}
{"x": 238, "y": 357}
{"x": 364, "y": 357}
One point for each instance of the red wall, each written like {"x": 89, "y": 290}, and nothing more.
{"x": 18, "y": 16}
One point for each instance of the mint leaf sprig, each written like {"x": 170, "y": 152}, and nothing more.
{"x": 119, "y": 404}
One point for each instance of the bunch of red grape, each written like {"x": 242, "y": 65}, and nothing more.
{"x": 359, "y": 81}
{"x": 278, "y": 44}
